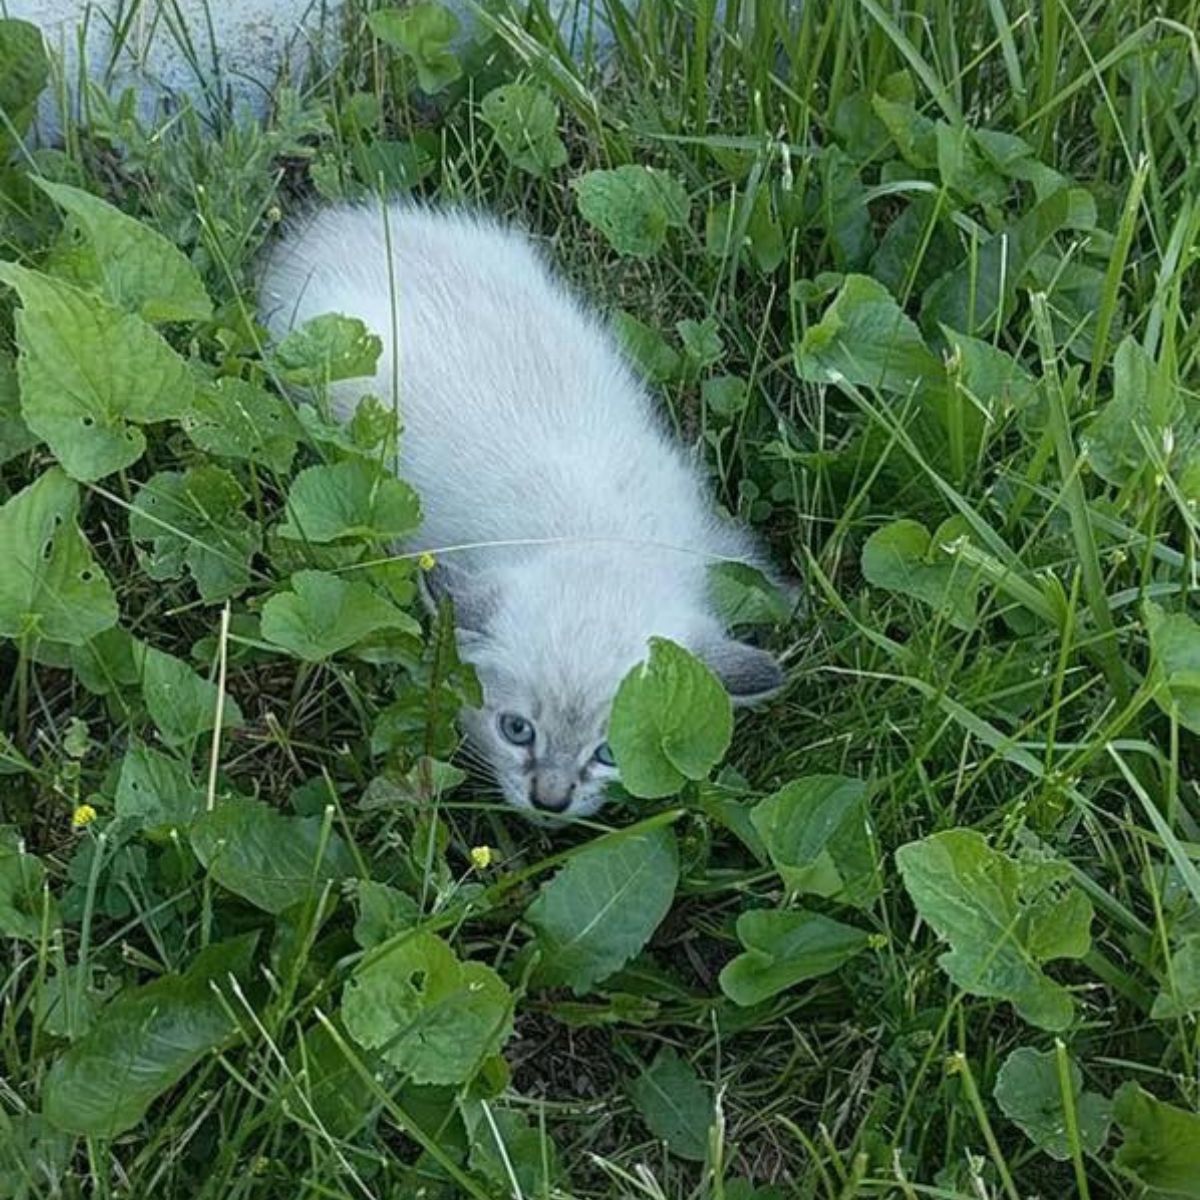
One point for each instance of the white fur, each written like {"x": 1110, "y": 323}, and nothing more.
{"x": 522, "y": 423}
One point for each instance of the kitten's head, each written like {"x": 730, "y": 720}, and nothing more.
{"x": 551, "y": 638}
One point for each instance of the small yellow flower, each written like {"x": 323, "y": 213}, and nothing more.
{"x": 83, "y": 815}
{"x": 426, "y": 562}
{"x": 274, "y": 214}
{"x": 481, "y": 857}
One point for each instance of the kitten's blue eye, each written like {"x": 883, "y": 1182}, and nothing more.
{"x": 604, "y": 755}
{"x": 516, "y": 729}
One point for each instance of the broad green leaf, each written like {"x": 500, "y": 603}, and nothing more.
{"x": 525, "y": 122}
{"x": 632, "y": 206}
{"x": 195, "y": 519}
{"x": 326, "y": 349}
{"x": 423, "y": 33}
{"x": 432, "y": 1017}
{"x": 818, "y": 833}
{"x": 1175, "y": 664}
{"x": 323, "y": 615}
{"x": 671, "y": 721}
{"x": 323, "y": 1081}
{"x": 994, "y": 382}
{"x": 505, "y": 1146}
{"x": 235, "y": 419}
{"x": 144, "y": 1042}
{"x": 675, "y": 1105}
{"x": 602, "y": 907}
{"x": 24, "y": 69}
{"x": 267, "y": 858}
{"x": 181, "y": 703}
{"x": 902, "y": 557}
{"x": 1029, "y": 1093}
{"x": 743, "y": 595}
{"x": 22, "y": 902}
{"x": 865, "y": 338}
{"x": 646, "y": 348}
{"x": 90, "y": 374}
{"x": 382, "y": 912}
{"x": 702, "y": 342}
{"x": 1180, "y": 994}
{"x": 34, "y": 1155}
{"x": 1143, "y": 398}
{"x": 725, "y": 395}
{"x": 50, "y": 586}
{"x": 965, "y": 169}
{"x": 783, "y": 949}
{"x": 352, "y": 499}
{"x": 1162, "y": 1143}
{"x": 141, "y": 271}
{"x": 157, "y": 792}
{"x": 913, "y": 132}
{"x": 1002, "y": 918}
{"x": 15, "y": 438}
{"x": 844, "y": 210}
{"x": 110, "y": 662}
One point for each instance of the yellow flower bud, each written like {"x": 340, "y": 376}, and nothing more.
{"x": 426, "y": 562}
{"x": 481, "y": 857}
{"x": 84, "y": 814}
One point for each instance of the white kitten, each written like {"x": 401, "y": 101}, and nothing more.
{"x": 522, "y": 422}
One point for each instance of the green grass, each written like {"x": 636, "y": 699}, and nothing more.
{"x": 995, "y": 538}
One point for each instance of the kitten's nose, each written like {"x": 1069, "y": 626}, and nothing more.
{"x": 551, "y": 791}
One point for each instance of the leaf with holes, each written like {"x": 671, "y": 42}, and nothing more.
{"x": 818, "y": 833}
{"x": 323, "y": 615}
{"x": 1029, "y": 1093}
{"x": 268, "y": 858}
{"x": 235, "y": 419}
{"x": 632, "y": 206}
{"x": 783, "y": 949}
{"x": 50, "y": 588}
{"x": 144, "y": 1042}
{"x": 327, "y": 349}
{"x": 671, "y": 721}
{"x": 90, "y": 374}
{"x": 431, "y": 1016}
{"x": 525, "y": 122}
{"x": 675, "y": 1105}
{"x": 194, "y": 519}
{"x": 139, "y": 269}
{"x": 602, "y": 907}
{"x": 1003, "y": 919}
{"x": 181, "y": 703}
{"x": 352, "y": 500}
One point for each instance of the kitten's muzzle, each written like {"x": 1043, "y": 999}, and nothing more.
{"x": 551, "y": 791}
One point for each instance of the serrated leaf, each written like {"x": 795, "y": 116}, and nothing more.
{"x": 90, "y": 374}
{"x": 1029, "y": 1093}
{"x": 602, "y": 907}
{"x": 783, "y": 949}
{"x": 352, "y": 499}
{"x": 156, "y": 792}
{"x": 323, "y": 615}
{"x": 865, "y": 337}
{"x": 903, "y": 557}
{"x": 21, "y": 896}
{"x": 817, "y": 831}
{"x": 1162, "y": 1143}
{"x": 432, "y": 1017}
{"x": 50, "y": 587}
{"x": 235, "y": 419}
{"x": 525, "y": 122}
{"x": 181, "y": 703}
{"x": 675, "y": 1105}
{"x": 671, "y": 721}
{"x": 632, "y": 206}
{"x": 140, "y": 270}
{"x": 272, "y": 860}
{"x": 1002, "y": 918}
{"x": 195, "y": 519}
{"x": 423, "y": 33}
{"x": 327, "y": 349}
{"x": 144, "y": 1042}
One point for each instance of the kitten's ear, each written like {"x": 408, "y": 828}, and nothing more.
{"x": 473, "y": 596}
{"x": 750, "y": 675}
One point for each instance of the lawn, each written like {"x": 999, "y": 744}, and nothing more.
{"x": 919, "y": 282}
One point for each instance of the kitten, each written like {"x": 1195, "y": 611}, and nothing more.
{"x": 523, "y": 423}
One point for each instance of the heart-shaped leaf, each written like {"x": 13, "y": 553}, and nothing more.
{"x": 349, "y": 500}
{"x": 424, "y": 33}
{"x": 327, "y": 349}
{"x": 525, "y": 122}
{"x": 1162, "y": 1143}
{"x": 235, "y": 419}
{"x": 902, "y": 557}
{"x": 632, "y": 206}
{"x": 181, "y": 703}
{"x": 156, "y": 792}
